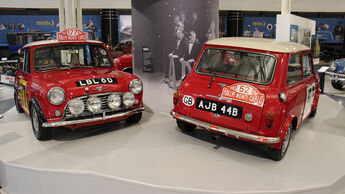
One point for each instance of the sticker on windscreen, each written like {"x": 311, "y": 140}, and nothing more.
{"x": 188, "y": 100}
{"x": 244, "y": 93}
{"x": 103, "y": 52}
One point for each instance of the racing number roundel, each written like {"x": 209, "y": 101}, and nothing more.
{"x": 188, "y": 100}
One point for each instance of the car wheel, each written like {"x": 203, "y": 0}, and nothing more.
{"x": 278, "y": 154}
{"x": 313, "y": 113}
{"x": 337, "y": 85}
{"x": 40, "y": 132}
{"x": 134, "y": 118}
{"x": 184, "y": 126}
{"x": 16, "y": 102}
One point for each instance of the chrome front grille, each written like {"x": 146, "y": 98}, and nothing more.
{"x": 104, "y": 107}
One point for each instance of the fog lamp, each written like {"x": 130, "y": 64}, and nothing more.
{"x": 128, "y": 99}
{"x": 114, "y": 101}
{"x": 76, "y": 106}
{"x": 94, "y": 104}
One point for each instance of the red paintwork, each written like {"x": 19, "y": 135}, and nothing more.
{"x": 124, "y": 62}
{"x": 38, "y": 85}
{"x": 196, "y": 85}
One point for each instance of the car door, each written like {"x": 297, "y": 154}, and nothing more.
{"x": 24, "y": 80}
{"x": 295, "y": 91}
{"x": 309, "y": 83}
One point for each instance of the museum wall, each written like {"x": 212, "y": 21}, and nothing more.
{"x": 162, "y": 40}
{"x": 247, "y": 5}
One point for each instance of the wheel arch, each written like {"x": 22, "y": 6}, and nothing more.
{"x": 128, "y": 70}
{"x": 34, "y": 102}
{"x": 294, "y": 123}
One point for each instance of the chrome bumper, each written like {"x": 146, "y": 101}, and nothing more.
{"x": 337, "y": 77}
{"x": 226, "y": 131}
{"x": 100, "y": 118}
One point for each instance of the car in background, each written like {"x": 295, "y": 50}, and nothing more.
{"x": 124, "y": 63}
{"x": 73, "y": 84}
{"x": 337, "y": 73}
{"x": 122, "y": 56}
{"x": 256, "y": 90}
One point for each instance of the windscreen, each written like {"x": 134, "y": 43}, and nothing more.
{"x": 59, "y": 57}
{"x": 235, "y": 64}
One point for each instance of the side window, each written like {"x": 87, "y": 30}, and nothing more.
{"x": 27, "y": 61}
{"x": 294, "y": 74}
{"x": 21, "y": 60}
{"x": 307, "y": 65}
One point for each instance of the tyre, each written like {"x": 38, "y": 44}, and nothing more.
{"x": 134, "y": 118}
{"x": 16, "y": 102}
{"x": 313, "y": 113}
{"x": 337, "y": 85}
{"x": 184, "y": 126}
{"x": 278, "y": 154}
{"x": 40, "y": 132}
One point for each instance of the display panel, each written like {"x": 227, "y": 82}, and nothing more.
{"x": 328, "y": 30}
{"x": 21, "y": 29}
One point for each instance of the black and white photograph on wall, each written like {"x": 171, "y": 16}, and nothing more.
{"x": 306, "y": 37}
{"x": 338, "y": 31}
{"x": 91, "y": 30}
{"x": 189, "y": 30}
{"x": 125, "y": 34}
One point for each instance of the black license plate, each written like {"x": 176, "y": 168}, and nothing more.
{"x": 219, "y": 108}
{"x": 96, "y": 81}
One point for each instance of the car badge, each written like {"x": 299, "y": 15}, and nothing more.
{"x": 99, "y": 88}
{"x": 216, "y": 115}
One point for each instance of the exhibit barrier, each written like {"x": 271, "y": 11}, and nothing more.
{"x": 7, "y": 70}
{"x": 172, "y": 80}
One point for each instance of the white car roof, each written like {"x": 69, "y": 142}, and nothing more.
{"x": 260, "y": 44}
{"x": 43, "y": 42}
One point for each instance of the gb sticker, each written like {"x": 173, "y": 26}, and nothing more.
{"x": 188, "y": 100}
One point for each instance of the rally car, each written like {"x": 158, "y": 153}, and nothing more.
{"x": 72, "y": 83}
{"x": 256, "y": 90}
{"x": 337, "y": 73}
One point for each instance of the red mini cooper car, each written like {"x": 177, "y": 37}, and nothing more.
{"x": 256, "y": 90}
{"x": 74, "y": 84}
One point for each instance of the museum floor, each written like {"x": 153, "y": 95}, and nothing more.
{"x": 154, "y": 156}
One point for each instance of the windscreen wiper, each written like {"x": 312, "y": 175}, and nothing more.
{"x": 213, "y": 76}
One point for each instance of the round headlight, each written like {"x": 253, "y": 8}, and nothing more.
{"x": 76, "y": 106}
{"x": 56, "y": 96}
{"x": 128, "y": 99}
{"x": 114, "y": 101}
{"x": 94, "y": 104}
{"x": 135, "y": 86}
